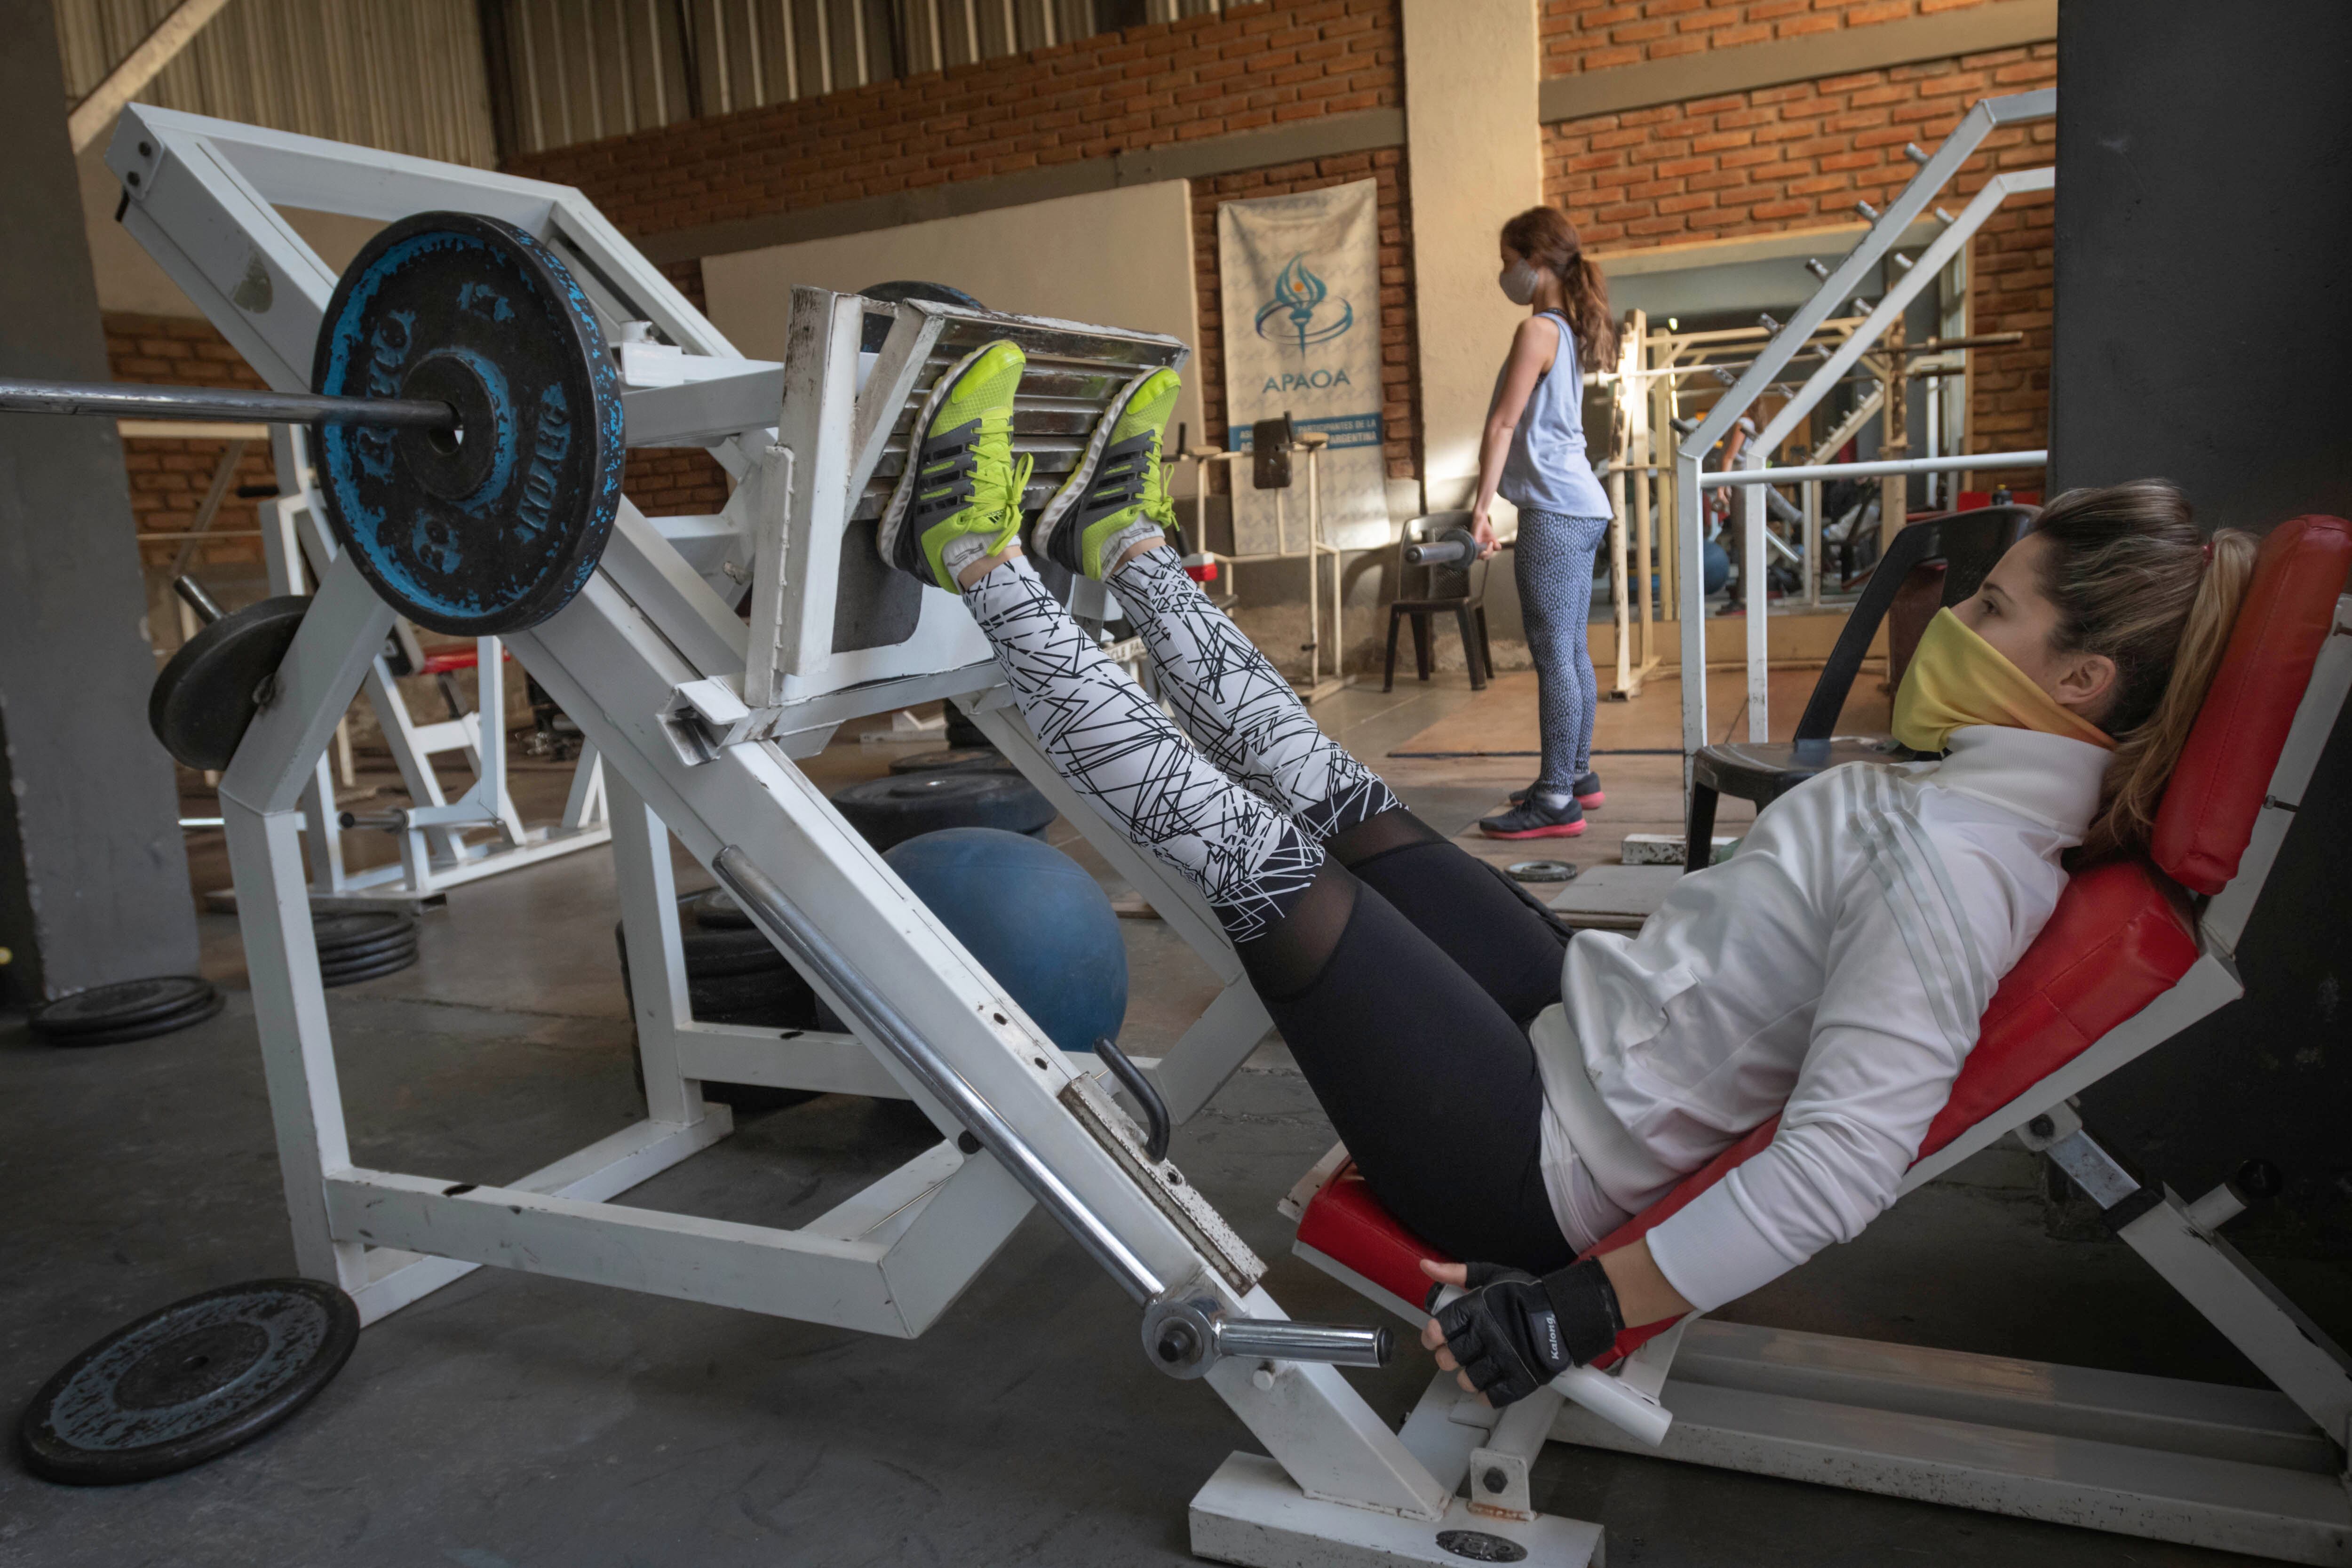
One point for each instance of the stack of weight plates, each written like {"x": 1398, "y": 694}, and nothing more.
{"x": 891, "y": 810}
{"x": 735, "y": 975}
{"x": 127, "y": 1010}
{"x": 360, "y": 944}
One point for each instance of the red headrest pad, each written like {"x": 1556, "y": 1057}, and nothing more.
{"x": 2217, "y": 789}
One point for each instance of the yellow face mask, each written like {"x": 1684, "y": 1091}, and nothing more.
{"x": 1958, "y": 678}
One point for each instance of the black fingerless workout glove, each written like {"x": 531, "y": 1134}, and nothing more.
{"x": 1513, "y": 1332}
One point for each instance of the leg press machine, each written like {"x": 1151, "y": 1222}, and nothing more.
{"x": 697, "y": 718}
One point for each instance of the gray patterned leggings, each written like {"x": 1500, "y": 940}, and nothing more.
{"x": 1553, "y": 565}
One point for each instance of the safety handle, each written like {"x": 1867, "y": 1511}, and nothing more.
{"x": 1158, "y": 1124}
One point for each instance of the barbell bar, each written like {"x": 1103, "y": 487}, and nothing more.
{"x": 130, "y": 400}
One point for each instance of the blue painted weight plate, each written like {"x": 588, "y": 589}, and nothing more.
{"x": 495, "y": 528}
{"x": 189, "y": 1382}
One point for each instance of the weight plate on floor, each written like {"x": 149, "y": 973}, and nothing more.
{"x": 358, "y": 957}
{"x": 147, "y": 1029}
{"x": 955, "y": 760}
{"x": 341, "y": 928}
{"x": 714, "y": 909}
{"x": 360, "y": 953}
{"x": 103, "y": 1007}
{"x": 358, "y": 944}
{"x": 374, "y": 969}
{"x": 494, "y": 527}
{"x": 889, "y": 811}
{"x": 1542, "y": 871}
{"x": 207, "y": 695}
{"x": 189, "y": 1382}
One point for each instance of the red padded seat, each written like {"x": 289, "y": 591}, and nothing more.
{"x": 2120, "y": 937}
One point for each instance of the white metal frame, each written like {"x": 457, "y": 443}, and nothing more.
{"x": 1316, "y": 551}
{"x": 434, "y": 855}
{"x": 2237, "y": 1470}
{"x": 697, "y": 723}
{"x": 1840, "y": 285}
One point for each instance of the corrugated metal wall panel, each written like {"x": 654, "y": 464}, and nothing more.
{"x": 586, "y": 69}
{"x": 402, "y": 75}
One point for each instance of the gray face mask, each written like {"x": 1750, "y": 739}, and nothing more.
{"x": 1518, "y": 282}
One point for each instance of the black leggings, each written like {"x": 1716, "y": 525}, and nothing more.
{"x": 1414, "y": 1037}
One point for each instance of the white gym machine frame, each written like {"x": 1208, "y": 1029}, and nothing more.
{"x": 1844, "y": 281}
{"x": 434, "y": 855}
{"x": 698, "y": 719}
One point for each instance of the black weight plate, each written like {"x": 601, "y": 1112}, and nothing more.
{"x": 399, "y": 945}
{"x": 125, "y": 1002}
{"x": 495, "y": 529}
{"x": 955, "y": 760}
{"x": 354, "y": 953}
{"x": 147, "y": 1029}
{"x": 349, "y": 928}
{"x": 711, "y": 954}
{"x": 889, "y": 811}
{"x": 207, "y": 693}
{"x": 375, "y": 969}
{"x": 189, "y": 1382}
{"x": 962, "y": 733}
{"x": 714, "y": 909}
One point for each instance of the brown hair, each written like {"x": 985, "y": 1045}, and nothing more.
{"x": 2135, "y": 580}
{"x": 1546, "y": 237}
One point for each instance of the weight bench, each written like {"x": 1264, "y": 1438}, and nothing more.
{"x": 2135, "y": 951}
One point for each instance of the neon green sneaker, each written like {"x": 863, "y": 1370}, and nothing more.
{"x": 1119, "y": 492}
{"x": 959, "y": 497}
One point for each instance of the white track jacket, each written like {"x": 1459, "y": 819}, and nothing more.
{"x": 1831, "y": 972}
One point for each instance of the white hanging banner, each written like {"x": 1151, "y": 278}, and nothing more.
{"x": 1301, "y": 285}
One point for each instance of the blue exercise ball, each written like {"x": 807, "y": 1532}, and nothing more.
{"x": 1715, "y": 568}
{"x": 1033, "y": 918}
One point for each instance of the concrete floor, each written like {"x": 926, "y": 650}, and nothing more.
{"x": 512, "y": 1420}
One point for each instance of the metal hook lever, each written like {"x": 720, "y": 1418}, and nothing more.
{"x": 1157, "y": 1122}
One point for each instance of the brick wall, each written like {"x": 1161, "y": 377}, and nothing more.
{"x": 168, "y": 478}
{"x": 1594, "y": 35}
{"x": 1798, "y": 156}
{"x": 1251, "y": 68}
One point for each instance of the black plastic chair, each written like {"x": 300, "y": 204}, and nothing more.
{"x": 1458, "y": 591}
{"x": 1966, "y": 544}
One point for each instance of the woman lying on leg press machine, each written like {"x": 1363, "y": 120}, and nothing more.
{"x": 1511, "y": 1091}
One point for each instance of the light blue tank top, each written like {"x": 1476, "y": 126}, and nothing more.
{"x": 1547, "y": 469}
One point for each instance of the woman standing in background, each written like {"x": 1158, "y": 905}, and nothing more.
{"x": 1533, "y": 457}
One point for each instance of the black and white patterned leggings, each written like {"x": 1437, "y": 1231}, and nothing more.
{"x": 1400, "y": 971}
{"x": 1241, "y": 809}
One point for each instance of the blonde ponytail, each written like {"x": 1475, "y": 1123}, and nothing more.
{"x": 2135, "y": 581}
{"x": 2145, "y": 758}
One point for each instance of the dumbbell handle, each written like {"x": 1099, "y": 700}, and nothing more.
{"x": 1452, "y": 547}
{"x": 1439, "y": 552}
{"x": 126, "y": 400}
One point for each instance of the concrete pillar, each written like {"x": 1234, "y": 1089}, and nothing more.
{"x": 93, "y": 877}
{"x": 1474, "y": 152}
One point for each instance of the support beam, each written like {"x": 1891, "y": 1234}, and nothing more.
{"x": 159, "y": 48}
{"x": 93, "y": 878}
